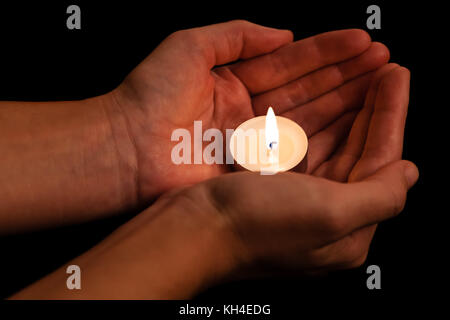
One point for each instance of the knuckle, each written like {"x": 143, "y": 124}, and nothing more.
{"x": 191, "y": 36}
{"x": 175, "y": 35}
{"x": 280, "y": 64}
{"x": 397, "y": 201}
{"x": 356, "y": 250}
{"x": 241, "y": 22}
{"x": 187, "y": 198}
{"x": 356, "y": 253}
{"x": 357, "y": 261}
{"x": 352, "y": 258}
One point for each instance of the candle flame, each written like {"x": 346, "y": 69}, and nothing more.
{"x": 272, "y": 136}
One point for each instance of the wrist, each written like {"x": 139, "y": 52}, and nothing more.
{"x": 173, "y": 250}
{"x": 81, "y": 168}
{"x": 124, "y": 148}
{"x": 204, "y": 234}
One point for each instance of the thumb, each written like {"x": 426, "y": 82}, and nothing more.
{"x": 226, "y": 42}
{"x": 402, "y": 170}
{"x": 380, "y": 196}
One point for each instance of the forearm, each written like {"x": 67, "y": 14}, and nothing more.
{"x": 170, "y": 251}
{"x": 62, "y": 162}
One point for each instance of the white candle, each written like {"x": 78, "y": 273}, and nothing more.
{"x": 268, "y": 144}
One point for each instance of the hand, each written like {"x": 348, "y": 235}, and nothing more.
{"x": 243, "y": 223}
{"x": 376, "y": 139}
{"x": 326, "y": 220}
{"x": 315, "y": 81}
{"x": 120, "y": 143}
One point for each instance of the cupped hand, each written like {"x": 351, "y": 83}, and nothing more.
{"x": 227, "y": 73}
{"x": 324, "y": 219}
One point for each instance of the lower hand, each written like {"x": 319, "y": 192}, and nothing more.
{"x": 324, "y": 219}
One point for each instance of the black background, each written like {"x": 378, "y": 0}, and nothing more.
{"x": 40, "y": 59}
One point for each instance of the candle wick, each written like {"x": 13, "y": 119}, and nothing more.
{"x": 272, "y": 145}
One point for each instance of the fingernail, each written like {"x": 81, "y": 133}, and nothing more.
{"x": 411, "y": 174}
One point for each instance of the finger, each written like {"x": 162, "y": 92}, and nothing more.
{"x": 299, "y": 58}
{"x": 384, "y": 141}
{"x": 325, "y": 142}
{"x": 322, "y": 211}
{"x": 339, "y": 170}
{"x": 348, "y": 252}
{"x": 340, "y": 166}
{"x": 319, "y": 113}
{"x": 225, "y": 42}
{"x": 358, "y": 134}
{"x": 378, "y": 197}
{"x": 313, "y": 85}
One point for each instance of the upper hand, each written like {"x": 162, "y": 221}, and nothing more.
{"x": 317, "y": 82}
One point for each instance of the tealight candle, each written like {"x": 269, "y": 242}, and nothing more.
{"x": 268, "y": 144}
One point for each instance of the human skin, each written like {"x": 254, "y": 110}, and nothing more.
{"x": 243, "y": 223}
{"x": 69, "y": 162}
{"x": 222, "y": 228}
